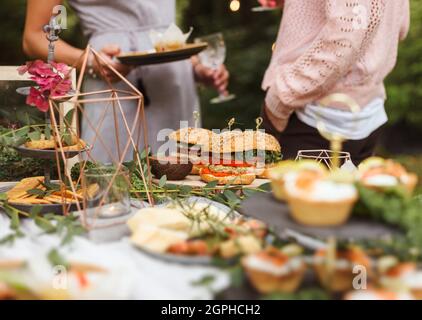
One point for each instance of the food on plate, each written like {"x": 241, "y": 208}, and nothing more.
{"x": 277, "y": 173}
{"x": 234, "y": 174}
{"x": 379, "y": 174}
{"x": 20, "y": 189}
{"x": 320, "y": 201}
{"x": 275, "y": 270}
{"x": 174, "y": 168}
{"x": 41, "y": 144}
{"x": 195, "y": 229}
{"x": 224, "y": 167}
{"x": 263, "y": 150}
{"x": 72, "y": 143}
{"x": 238, "y": 245}
{"x": 397, "y": 275}
{"x": 171, "y": 39}
{"x": 335, "y": 267}
{"x": 191, "y": 141}
{"x": 37, "y": 279}
{"x": 377, "y": 294}
{"x": 33, "y": 190}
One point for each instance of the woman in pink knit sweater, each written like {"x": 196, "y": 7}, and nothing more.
{"x": 332, "y": 46}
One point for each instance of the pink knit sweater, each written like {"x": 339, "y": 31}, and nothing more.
{"x": 333, "y": 46}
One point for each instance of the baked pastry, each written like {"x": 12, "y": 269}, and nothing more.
{"x": 334, "y": 270}
{"x": 277, "y": 172}
{"x": 320, "y": 201}
{"x": 380, "y": 174}
{"x": 263, "y": 150}
{"x": 377, "y": 294}
{"x": 400, "y": 276}
{"x": 274, "y": 270}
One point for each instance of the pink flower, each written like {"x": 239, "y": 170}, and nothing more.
{"x": 37, "y": 99}
{"x": 51, "y": 79}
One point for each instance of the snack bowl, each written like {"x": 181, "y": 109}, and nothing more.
{"x": 320, "y": 213}
{"x": 173, "y": 167}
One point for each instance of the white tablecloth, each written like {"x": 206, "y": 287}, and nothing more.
{"x": 131, "y": 274}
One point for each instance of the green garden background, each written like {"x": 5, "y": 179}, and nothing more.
{"x": 249, "y": 38}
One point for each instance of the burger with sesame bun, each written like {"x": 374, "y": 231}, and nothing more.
{"x": 263, "y": 150}
{"x": 190, "y": 141}
{"x": 224, "y": 167}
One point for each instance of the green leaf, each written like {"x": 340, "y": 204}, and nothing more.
{"x": 68, "y": 118}
{"x": 3, "y": 197}
{"x": 185, "y": 189}
{"x": 67, "y": 138}
{"x": 249, "y": 192}
{"x": 9, "y": 239}
{"x": 14, "y": 217}
{"x": 35, "y": 211}
{"x": 265, "y": 187}
{"x": 45, "y": 225}
{"x": 56, "y": 259}
{"x": 15, "y": 221}
{"x": 22, "y": 132}
{"x": 205, "y": 281}
{"x": 237, "y": 276}
{"x": 211, "y": 185}
{"x": 36, "y": 192}
{"x": 47, "y": 132}
{"x": 163, "y": 181}
{"x": 35, "y": 135}
{"x": 231, "y": 197}
{"x": 144, "y": 154}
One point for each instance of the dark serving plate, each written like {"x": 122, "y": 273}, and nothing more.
{"x": 45, "y": 208}
{"x": 46, "y": 154}
{"x": 276, "y": 214}
{"x": 146, "y": 58}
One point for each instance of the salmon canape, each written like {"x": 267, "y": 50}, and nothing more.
{"x": 274, "y": 270}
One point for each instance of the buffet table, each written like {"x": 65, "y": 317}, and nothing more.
{"x": 131, "y": 274}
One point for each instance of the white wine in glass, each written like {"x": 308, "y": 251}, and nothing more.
{"x": 213, "y": 57}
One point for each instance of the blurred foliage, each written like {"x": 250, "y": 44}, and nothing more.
{"x": 404, "y": 85}
{"x": 249, "y": 37}
{"x": 12, "y": 22}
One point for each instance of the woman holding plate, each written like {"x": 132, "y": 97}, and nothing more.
{"x": 326, "y": 47}
{"x": 112, "y": 27}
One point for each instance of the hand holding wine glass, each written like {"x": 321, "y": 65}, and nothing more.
{"x": 217, "y": 79}
{"x": 213, "y": 58}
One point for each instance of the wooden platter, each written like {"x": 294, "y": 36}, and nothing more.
{"x": 195, "y": 181}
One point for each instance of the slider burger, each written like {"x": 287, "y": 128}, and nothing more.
{"x": 223, "y": 167}
{"x": 190, "y": 141}
{"x": 263, "y": 150}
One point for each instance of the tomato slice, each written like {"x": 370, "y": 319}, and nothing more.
{"x": 82, "y": 279}
{"x": 217, "y": 174}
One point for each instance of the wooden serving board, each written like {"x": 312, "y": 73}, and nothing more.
{"x": 196, "y": 182}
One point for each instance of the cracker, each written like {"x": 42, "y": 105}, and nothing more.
{"x": 58, "y": 199}
{"x": 30, "y": 200}
{"x": 20, "y": 189}
{"x": 68, "y": 194}
{"x": 41, "y": 144}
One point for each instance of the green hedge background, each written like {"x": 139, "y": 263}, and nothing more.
{"x": 249, "y": 37}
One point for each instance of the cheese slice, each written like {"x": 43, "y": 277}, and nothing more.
{"x": 160, "y": 217}
{"x": 157, "y": 239}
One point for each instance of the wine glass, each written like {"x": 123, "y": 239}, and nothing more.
{"x": 213, "y": 57}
